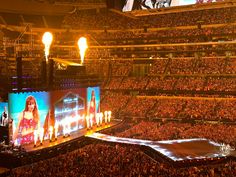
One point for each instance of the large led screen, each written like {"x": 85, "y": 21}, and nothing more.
{"x": 129, "y": 5}
{"x": 29, "y": 112}
{"x": 69, "y": 110}
{"x": 4, "y": 121}
{"x": 93, "y": 100}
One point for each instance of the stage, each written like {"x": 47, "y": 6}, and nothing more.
{"x": 192, "y": 151}
{"x": 29, "y": 154}
{"x": 74, "y": 135}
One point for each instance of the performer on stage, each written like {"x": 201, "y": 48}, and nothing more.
{"x": 4, "y": 117}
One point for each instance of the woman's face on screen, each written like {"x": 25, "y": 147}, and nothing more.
{"x": 31, "y": 105}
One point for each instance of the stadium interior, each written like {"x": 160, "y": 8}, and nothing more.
{"x": 165, "y": 74}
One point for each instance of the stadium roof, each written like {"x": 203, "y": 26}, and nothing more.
{"x": 49, "y": 7}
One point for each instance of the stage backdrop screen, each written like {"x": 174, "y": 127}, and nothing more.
{"x": 4, "y": 114}
{"x": 68, "y": 107}
{"x": 29, "y": 112}
{"x": 129, "y": 5}
{"x": 93, "y": 100}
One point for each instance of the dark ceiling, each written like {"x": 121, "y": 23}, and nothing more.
{"x": 49, "y": 7}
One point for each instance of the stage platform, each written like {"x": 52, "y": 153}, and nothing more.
{"x": 179, "y": 151}
{"x": 74, "y": 135}
{"x": 30, "y": 154}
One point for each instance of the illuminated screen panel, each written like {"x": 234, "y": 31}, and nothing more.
{"x": 4, "y": 114}
{"x": 129, "y": 5}
{"x": 68, "y": 107}
{"x": 93, "y": 100}
{"x": 28, "y": 111}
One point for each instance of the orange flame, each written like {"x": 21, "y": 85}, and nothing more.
{"x": 47, "y": 40}
{"x": 82, "y": 43}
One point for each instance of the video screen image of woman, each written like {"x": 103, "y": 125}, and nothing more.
{"x": 28, "y": 111}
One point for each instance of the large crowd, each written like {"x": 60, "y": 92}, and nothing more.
{"x": 104, "y": 159}
{"x": 164, "y": 130}
{"x": 167, "y": 36}
{"x": 171, "y": 107}
{"x": 206, "y": 74}
{"x": 107, "y": 19}
{"x": 176, "y": 83}
{"x": 215, "y": 25}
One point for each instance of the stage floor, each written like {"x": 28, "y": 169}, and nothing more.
{"x": 60, "y": 139}
{"x": 187, "y": 149}
{"x": 176, "y": 150}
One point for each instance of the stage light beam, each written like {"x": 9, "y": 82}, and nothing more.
{"x": 35, "y": 137}
{"x": 41, "y": 131}
{"x": 50, "y": 133}
{"x": 56, "y": 129}
{"x": 109, "y": 116}
{"x": 101, "y": 117}
{"x": 105, "y": 115}
{"x": 88, "y": 121}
